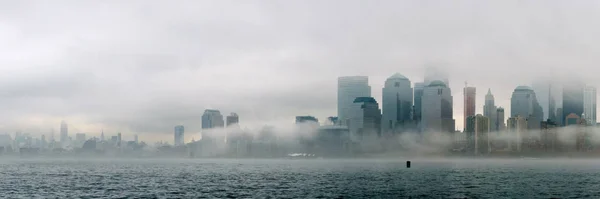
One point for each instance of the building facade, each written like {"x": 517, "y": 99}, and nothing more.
{"x": 397, "y": 104}
{"x": 517, "y": 128}
{"x": 367, "y": 118}
{"x": 477, "y": 131}
{"x": 418, "y": 96}
{"x": 589, "y": 105}
{"x": 490, "y": 110}
{"x": 232, "y": 118}
{"x": 572, "y": 99}
{"x": 349, "y": 88}
{"x": 212, "y": 119}
{"x": 437, "y": 110}
{"x": 469, "y": 103}
{"x": 524, "y": 103}
{"x": 179, "y": 135}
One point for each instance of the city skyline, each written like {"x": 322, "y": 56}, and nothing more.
{"x": 143, "y": 68}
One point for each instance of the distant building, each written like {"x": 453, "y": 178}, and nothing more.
{"x": 349, "y": 88}
{"x": 572, "y": 99}
{"x": 233, "y": 118}
{"x": 397, "y": 104}
{"x": 500, "y": 125}
{"x": 469, "y": 103}
{"x": 179, "y": 135}
{"x": 114, "y": 140}
{"x": 64, "y": 134}
{"x": 477, "y": 131}
{"x": 573, "y": 119}
{"x": 549, "y": 136}
{"x": 517, "y": 128}
{"x": 304, "y": 119}
{"x": 524, "y": 103}
{"x": 119, "y": 140}
{"x": 589, "y": 104}
{"x": 437, "y": 110}
{"x": 135, "y": 139}
{"x": 491, "y": 111}
{"x": 418, "y": 96}
{"x": 212, "y": 119}
{"x": 79, "y": 139}
{"x": 367, "y": 118}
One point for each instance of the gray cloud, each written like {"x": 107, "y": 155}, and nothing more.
{"x": 145, "y": 66}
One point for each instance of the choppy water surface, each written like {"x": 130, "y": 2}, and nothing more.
{"x": 168, "y": 178}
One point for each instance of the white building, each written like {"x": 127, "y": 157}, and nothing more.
{"x": 437, "y": 108}
{"x": 397, "y": 104}
{"x": 350, "y": 88}
{"x": 589, "y": 104}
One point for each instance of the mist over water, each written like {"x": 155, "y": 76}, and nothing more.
{"x": 177, "y": 178}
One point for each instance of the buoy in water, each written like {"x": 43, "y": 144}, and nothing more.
{"x": 407, "y": 164}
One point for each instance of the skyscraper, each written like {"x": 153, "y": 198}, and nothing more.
{"x": 179, "y": 135}
{"x": 477, "y": 129}
{"x": 212, "y": 119}
{"x": 397, "y": 104}
{"x": 517, "y": 127}
{"x": 64, "y": 134}
{"x": 437, "y": 110}
{"x": 119, "y": 139}
{"x": 490, "y": 110}
{"x": 469, "y": 103}
{"x": 418, "y": 96}
{"x": 524, "y": 103}
{"x": 232, "y": 118}
{"x": 102, "y": 136}
{"x": 350, "y": 88}
{"x": 500, "y": 119}
{"x": 589, "y": 104}
{"x": 366, "y": 120}
{"x": 572, "y": 99}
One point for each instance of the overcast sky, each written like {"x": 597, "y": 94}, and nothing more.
{"x": 144, "y": 66}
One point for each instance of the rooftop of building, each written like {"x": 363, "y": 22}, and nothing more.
{"x": 365, "y": 99}
{"x": 523, "y": 88}
{"x": 398, "y": 76}
{"x": 437, "y": 83}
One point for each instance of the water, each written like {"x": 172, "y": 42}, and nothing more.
{"x": 366, "y": 178}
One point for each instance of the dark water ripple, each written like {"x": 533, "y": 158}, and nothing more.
{"x": 164, "y": 178}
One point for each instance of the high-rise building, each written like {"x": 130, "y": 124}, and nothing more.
{"x": 572, "y": 99}
{"x": 64, "y": 134}
{"x": 524, "y": 103}
{"x": 119, "y": 140}
{"x": 79, "y": 139}
{"x": 418, "y": 96}
{"x": 589, "y": 104}
{"x": 477, "y": 130}
{"x": 212, "y": 119}
{"x": 469, "y": 103}
{"x": 232, "y": 118}
{"x": 500, "y": 126}
{"x": 437, "y": 110}
{"x": 517, "y": 128}
{"x": 491, "y": 111}
{"x": 102, "y": 136}
{"x": 397, "y": 104}
{"x": 366, "y": 120}
{"x": 350, "y": 88}
{"x": 179, "y": 135}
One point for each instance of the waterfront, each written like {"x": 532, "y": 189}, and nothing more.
{"x": 354, "y": 178}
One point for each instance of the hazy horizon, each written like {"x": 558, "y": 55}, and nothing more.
{"x": 142, "y": 67}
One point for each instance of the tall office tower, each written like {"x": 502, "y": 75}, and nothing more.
{"x": 589, "y": 104}
{"x": 491, "y": 111}
{"x": 179, "y": 135}
{"x": 469, "y": 103}
{"x": 517, "y": 127}
{"x": 64, "y": 134}
{"x": 102, "y": 136}
{"x": 433, "y": 73}
{"x": 418, "y": 96}
{"x": 350, "y": 88}
{"x": 232, "y": 118}
{"x": 212, "y": 119}
{"x": 572, "y": 99}
{"x": 524, "y": 103}
{"x": 437, "y": 110}
{"x": 397, "y": 104}
{"x": 500, "y": 126}
{"x": 477, "y": 130}
{"x": 366, "y": 120}
{"x": 119, "y": 140}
